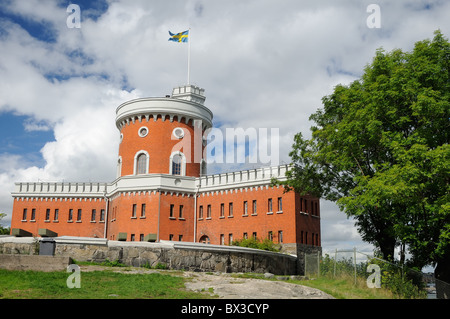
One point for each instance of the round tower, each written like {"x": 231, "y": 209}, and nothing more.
{"x": 164, "y": 135}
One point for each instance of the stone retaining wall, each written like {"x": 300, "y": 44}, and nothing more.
{"x": 173, "y": 255}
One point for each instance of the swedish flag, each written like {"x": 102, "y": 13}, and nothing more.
{"x": 179, "y": 37}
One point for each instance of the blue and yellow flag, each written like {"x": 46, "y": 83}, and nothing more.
{"x": 179, "y": 37}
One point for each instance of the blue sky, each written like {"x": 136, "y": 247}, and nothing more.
{"x": 263, "y": 64}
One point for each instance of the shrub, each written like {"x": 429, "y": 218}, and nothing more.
{"x": 257, "y": 243}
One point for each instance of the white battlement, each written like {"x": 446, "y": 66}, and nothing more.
{"x": 245, "y": 178}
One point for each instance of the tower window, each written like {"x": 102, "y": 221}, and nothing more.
{"x": 141, "y": 164}
{"x": 178, "y": 132}
{"x": 176, "y": 164}
{"x": 143, "y": 131}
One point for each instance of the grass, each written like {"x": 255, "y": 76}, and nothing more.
{"x": 343, "y": 287}
{"x": 94, "y": 285}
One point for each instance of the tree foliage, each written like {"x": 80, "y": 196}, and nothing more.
{"x": 380, "y": 150}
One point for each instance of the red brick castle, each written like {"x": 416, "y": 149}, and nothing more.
{"x": 162, "y": 191}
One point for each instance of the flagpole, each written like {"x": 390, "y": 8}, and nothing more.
{"x": 189, "y": 58}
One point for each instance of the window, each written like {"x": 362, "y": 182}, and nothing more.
{"x": 47, "y": 214}
{"x": 254, "y": 235}
{"x": 79, "y": 215}
{"x": 280, "y": 236}
{"x": 141, "y": 164}
{"x": 56, "y": 215}
{"x": 143, "y": 131}
{"x": 245, "y": 236}
{"x": 93, "y": 213}
{"x": 200, "y": 212}
{"x": 270, "y": 236}
{"x": 70, "y": 215}
{"x": 142, "y": 210}
{"x": 222, "y": 210}
{"x": 102, "y": 215}
{"x": 132, "y": 237}
{"x": 280, "y": 204}
{"x": 254, "y": 208}
{"x": 222, "y": 239}
{"x": 133, "y": 211}
{"x": 269, "y": 205}
{"x": 245, "y": 208}
{"x": 178, "y": 132}
{"x": 141, "y": 237}
{"x": 230, "y": 210}
{"x": 181, "y": 211}
{"x": 176, "y": 164}
{"x": 171, "y": 214}
{"x": 170, "y": 236}
{"x": 24, "y": 214}
{"x": 230, "y": 238}
{"x": 180, "y": 237}
{"x": 33, "y": 214}
{"x": 208, "y": 212}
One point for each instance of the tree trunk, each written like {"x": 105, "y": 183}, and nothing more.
{"x": 442, "y": 275}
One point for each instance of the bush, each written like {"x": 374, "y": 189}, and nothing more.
{"x": 402, "y": 283}
{"x": 257, "y": 243}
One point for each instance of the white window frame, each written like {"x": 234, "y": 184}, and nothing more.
{"x": 183, "y": 163}
{"x": 146, "y": 164}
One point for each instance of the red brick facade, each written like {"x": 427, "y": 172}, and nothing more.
{"x": 160, "y": 197}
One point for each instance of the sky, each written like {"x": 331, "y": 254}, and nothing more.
{"x": 262, "y": 63}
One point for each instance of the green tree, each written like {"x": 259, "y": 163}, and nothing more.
{"x": 380, "y": 150}
{"x": 3, "y": 231}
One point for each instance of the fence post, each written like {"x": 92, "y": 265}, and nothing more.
{"x": 354, "y": 261}
{"x": 335, "y": 257}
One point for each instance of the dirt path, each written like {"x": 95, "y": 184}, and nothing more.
{"x": 228, "y": 287}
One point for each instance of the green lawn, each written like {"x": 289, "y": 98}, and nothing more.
{"x": 94, "y": 285}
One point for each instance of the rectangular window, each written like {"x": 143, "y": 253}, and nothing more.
{"x": 180, "y": 237}
{"x": 102, "y": 215}
{"x": 200, "y": 212}
{"x": 208, "y": 212}
{"x": 245, "y": 236}
{"x": 270, "y": 236}
{"x": 70, "y": 215}
{"x": 280, "y": 236}
{"x": 230, "y": 238}
{"x": 170, "y": 236}
{"x": 132, "y": 237}
{"x": 47, "y": 214}
{"x": 230, "y": 210}
{"x": 33, "y": 214}
{"x": 143, "y": 210}
{"x": 141, "y": 237}
{"x": 24, "y": 214}
{"x": 269, "y": 205}
{"x": 280, "y": 204}
{"x": 181, "y": 211}
{"x": 245, "y": 208}
{"x": 222, "y": 210}
{"x": 222, "y": 239}
{"x": 133, "y": 211}
{"x": 254, "y": 208}
{"x": 56, "y": 214}
{"x": 93, "y": 213}
{"x": 254, "y": 235}
{"x": 171, "y": 214}
{"x": 79, "y": 215}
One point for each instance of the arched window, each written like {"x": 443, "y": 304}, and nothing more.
{"x": 177, "y": 164}
{"x": 141, "y": 161}
{"x": 177, "y": 160}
